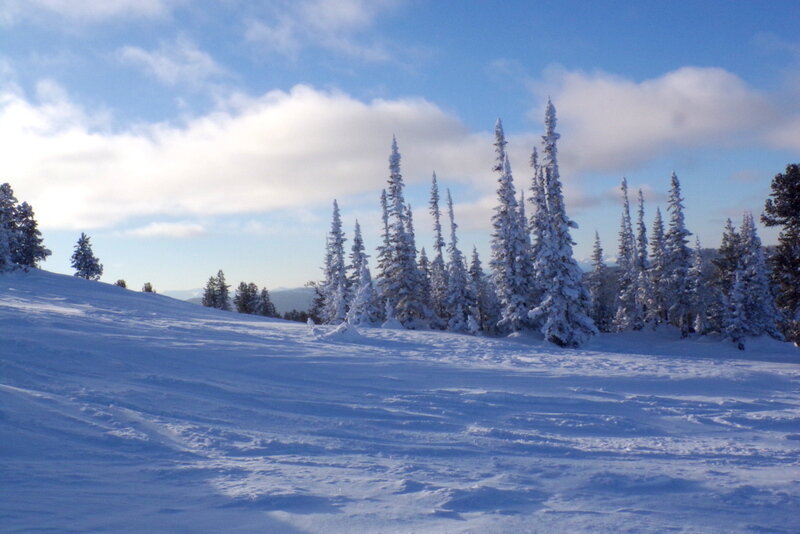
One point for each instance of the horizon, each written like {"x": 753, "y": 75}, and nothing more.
{"x": 184, "y": 139}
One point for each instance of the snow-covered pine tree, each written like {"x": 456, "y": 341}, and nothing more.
{"x": 596, "y": 283}
{"x": 657, "y": 300}
{"x": 424, "y": 281}
{"x": 210, "y": 293}
{"x": 334, "y": 286}
{"x": 384, "y": 249}
{"x": 482, "y": 299}
{"x": 364, "y": 307}
{"x": 677, "y": 262}
{"x": 642, "y": 267}
{"x": 400, "y": 284}
{"x": 438, "y": 270}
{"x": 8, "y": 236}
{"x": 30, "y": 249}
{"x": 725, "y": 265}
{"x": 626, "y": 316}
{"x": 357, "y": 257}
{"x": 264, "y": 305}
{"x": 456, "y": 299}
{"x": 759, "y": 307}
{"x": 84, "y": 261}
{"x": 735, "y": 319}
{"x": 783, "y": 210}
{"x": 508, "y": 241}
{"x": 566, "y": 305}
{"x": 539, "y": 230}
{"x": 701, "y": 297}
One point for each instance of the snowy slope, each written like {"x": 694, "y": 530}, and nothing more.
{"x": 129, "y": 412}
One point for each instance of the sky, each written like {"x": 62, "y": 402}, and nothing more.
{"x": 187, "y": 136}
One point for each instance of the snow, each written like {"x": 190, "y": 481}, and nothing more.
{"x": 130, "y": 412}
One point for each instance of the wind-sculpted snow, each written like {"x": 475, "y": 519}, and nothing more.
{"x": 132, "y": 412}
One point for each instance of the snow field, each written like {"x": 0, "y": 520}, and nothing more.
{"x": 129, "y": 412}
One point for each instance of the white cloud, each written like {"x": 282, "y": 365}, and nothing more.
{"x": 178, "y": 62}
{"x": 616, "y": 124}
{"x": 280, "y": 151}
{"x": 168, "y": 229}
{"x": 83, "y": 10}
{"x": 332, "y": 24}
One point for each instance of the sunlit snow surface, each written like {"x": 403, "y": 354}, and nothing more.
{"x": 130, "y": 412}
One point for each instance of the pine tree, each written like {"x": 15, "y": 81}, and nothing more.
{"x": 364, "y": 307}
{"x": 508, "y": 240}
{"x": 400, "y": 284}
{"x": 424, "y": 282}
{"x": 456, "y": 278}
{"x": 677, "y": 262}
{"x": 539, "y": 230}
{"x": 725, "y": 265}
{"x": 438, "y": 276}
{"x": 783, "y": 210}
{"x": 148, "y": 288}
{"x": 334, "y": 287}
{"x": 566, "y": 305}
{"x": 210, "y": 293}
{"x": 357, "y": 258}
{"x": 264, "y": 305}
{"x": 221, "y": 291}
{"x": 8, "y": 241}
{"x": 29, "y": 248}
{"x": 626, "y": 316}
{"x": 84, "y": 261}
{"x": 759, "y": 308}
{"x": 482, "y": 301}
{"x": 246, "y": 298}
{"x": 701, "y": 302}
{"x": 384, "y": 249}
{"x": 735, "y": 320}
{"x": 596, "y": 284}
{"x": 657, "y": 301}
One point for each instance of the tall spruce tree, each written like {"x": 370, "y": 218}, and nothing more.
{"x": 246, "y": 298}
{"x": 677, "y": 262}
{"x": 400, "y": 285}
{"x": 657, "y": 300}
{"x": 264, "y": 305}
{"x": 8, "y": 236}
{"x": 725, "y": 265}
{"x": 438, "y": 276}
{"x": 597, "y": 284}
{"x": 482, "y": 299}
{"x": 759, "y": 307}
{"x": 540, "y": 229}
{"x": 84, "y": 262}
{"x": 508, "y": 242}
{"x": 566, "y": 305}
{"x": 456, "y": 300}
{"x": 364, "y": 309}
{"x": 357, "y": 258}
{"x": 334, "y": 287}
{"x": 626, "y": 316}
{"x": 701, "y": 296}
{"x": 783, "y": 209}
{"x": 29, "y": 249}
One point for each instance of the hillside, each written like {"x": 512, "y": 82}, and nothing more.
{"x": 122, "y": 411}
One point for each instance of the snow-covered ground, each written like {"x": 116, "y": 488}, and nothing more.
{"x": 129, "y": 412}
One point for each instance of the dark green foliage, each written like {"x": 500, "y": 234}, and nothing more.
{"x": 84, "y": 261}
{"x": 121, "y": 283}
{"x": 215, "y": 294}
{"x": 147, "y": 288}
{"x": 783, "y": 209}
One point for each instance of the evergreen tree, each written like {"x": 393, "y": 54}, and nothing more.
{"x": 121, "y": 283}
{"x": 627, "y": 314}
{"x": 783, "y": 209}
{"x": 216, "y": 294}
{"x": 264, "y": 305}
{"x": 424, "y": 283}
{"x": 701, "y": 298}
{"x": 246, "y": 298}
{"x": 334, "y": 287}
{"x": 148, "y": 288}
{"x": 566, "y": 305}
{"x": 400, "y": 284}
{"x": 357, "y": 258}
{"x": 456, "y": 278}
{"x": 210, "y": 293}
{"x": 540, "y": 229}
{"x": 657, "y": 300}
{"x": 596, "y": 284}
{"x": 8, "y": 241}
{"x": 29, "y": 247}
{"x": 759, "y": 308}
{"x": 364, "y": 308}
{"x": 438, "y": 271}
{"x": 735, "y": 320}
{"x": 725, "y": 265}
{"x": 482, "y": 301}
{"x": 677, "y": 262}
{"x": 84, "y": 261}
{"x": 508, "y": 240}
{"x": 384, "y": 249}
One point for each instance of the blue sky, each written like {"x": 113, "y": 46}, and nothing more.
{"x": 187, "y": 136}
